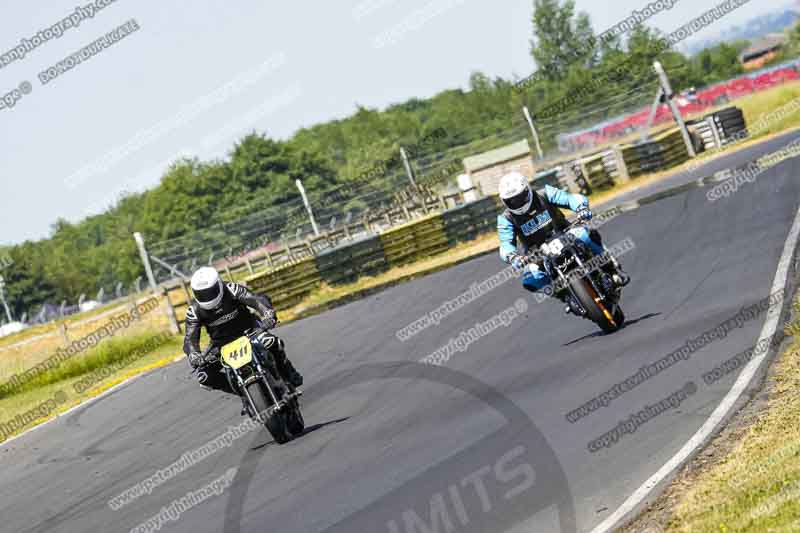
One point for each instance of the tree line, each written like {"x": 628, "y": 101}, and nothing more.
{"x": 195, "y": 196}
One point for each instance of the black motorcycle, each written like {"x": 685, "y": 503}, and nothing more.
{"x": 253, "y": 374}
{"x": 580, "y": 278}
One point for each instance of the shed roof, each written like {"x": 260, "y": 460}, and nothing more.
{"x": 763, "y": 45}
{"x": 497, "y": 156}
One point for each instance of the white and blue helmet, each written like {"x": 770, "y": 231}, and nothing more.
{"x": 516, "y": 193}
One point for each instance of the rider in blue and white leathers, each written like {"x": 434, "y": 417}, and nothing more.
{"x": 527, "y": 223}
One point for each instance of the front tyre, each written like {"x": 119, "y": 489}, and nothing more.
{"x": 275, "y": 424}
{"x": 294, "y": 420}
{"x": 619, "y": 316}
{"x": 596, "y": 310}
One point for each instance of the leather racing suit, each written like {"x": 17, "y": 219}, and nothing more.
{"x": 530, "y": 230}
{"x": 226, "y": 323}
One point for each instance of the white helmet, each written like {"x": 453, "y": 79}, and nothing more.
{"x": 516, "y": 193}
{"x": 207, "y": 288}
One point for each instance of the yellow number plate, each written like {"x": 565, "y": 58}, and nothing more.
{"x": 238, "y": 353}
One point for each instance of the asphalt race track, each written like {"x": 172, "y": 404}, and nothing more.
{"x": 481, "y": 444}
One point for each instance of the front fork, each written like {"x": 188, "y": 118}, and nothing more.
{"x": 565, "y": 281}
{"x": 246, "y": 395}
{"x": 263, "y": 375}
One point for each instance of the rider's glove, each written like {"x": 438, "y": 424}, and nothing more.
{"x": 584, "y": 213}
{"x": 212, "y": 356}
{"x": 196, "y": 359}
{"x": 517, "y": 261}
{"x": 270, "y": 319}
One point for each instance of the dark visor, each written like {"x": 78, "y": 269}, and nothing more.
{"x": 206, "y": 295}
{"x": 518, "y": 201}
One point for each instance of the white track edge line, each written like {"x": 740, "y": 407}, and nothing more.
{"x": 727, "y": 403}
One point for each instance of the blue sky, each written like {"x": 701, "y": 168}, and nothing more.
{"x": 190, "y": 81}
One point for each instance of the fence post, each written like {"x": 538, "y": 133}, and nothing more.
{"x": 585, "y": 172}
{"x": 3, "y": 299}
{"x": 173, "y": 320}
{"x": 308, "y": 206}
{"x": 665, "y": 86}
{"x": 173, "y": 317}
{"x": 652, "y": 116}
{"x": 624, "y": 177}
{"x": 409, "y": 170}
{"x": 533, "y": 130}
{"x": 186, "y": 291}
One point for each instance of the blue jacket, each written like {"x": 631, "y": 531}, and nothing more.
{"x": 533, "y": 228}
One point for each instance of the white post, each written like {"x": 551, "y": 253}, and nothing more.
{"x": 533, "y": 130}
{"x": 652, "y": 117}
{"x": 409, "y": 170}
{"x": 665, "y": 86}
{"x": 308, "y": 206}
{"x": 3, "y": 298}
{"x": 145, "y": 261}
{"x": 173, "y": 320}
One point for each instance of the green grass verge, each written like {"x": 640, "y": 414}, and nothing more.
{"x": 84, "y": 378}
{"x": 756, "y": 486}
{"x": 104, "y": 354}
{"x": 760, "y": 104}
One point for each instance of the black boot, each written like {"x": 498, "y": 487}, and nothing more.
{"x": 614, "y": 269}
{"x": 620, "y": 277}
{"x": 292, "y": 375}
{"x": 571, "y": 307}
{"x": 287, "y": 369}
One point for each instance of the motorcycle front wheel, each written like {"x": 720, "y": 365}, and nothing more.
{"x": 596, "y": 310}
{"x": 275, "y": 424}
{"x": 294, "y": 420}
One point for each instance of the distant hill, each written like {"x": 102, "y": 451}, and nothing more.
{"x": 755, "y": 28}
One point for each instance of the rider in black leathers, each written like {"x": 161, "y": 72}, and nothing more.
{"x": 224, "y": 309}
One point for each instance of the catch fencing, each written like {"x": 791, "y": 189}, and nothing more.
{"x": 364, "y": 255}
{"x": 427, "y": 224}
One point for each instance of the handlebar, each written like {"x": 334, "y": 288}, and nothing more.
{"x": 208, "y": 354}
{"x": 536, "y": 254}
{"x": 574, "y": 224}
{"x": 261, "y": 327}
